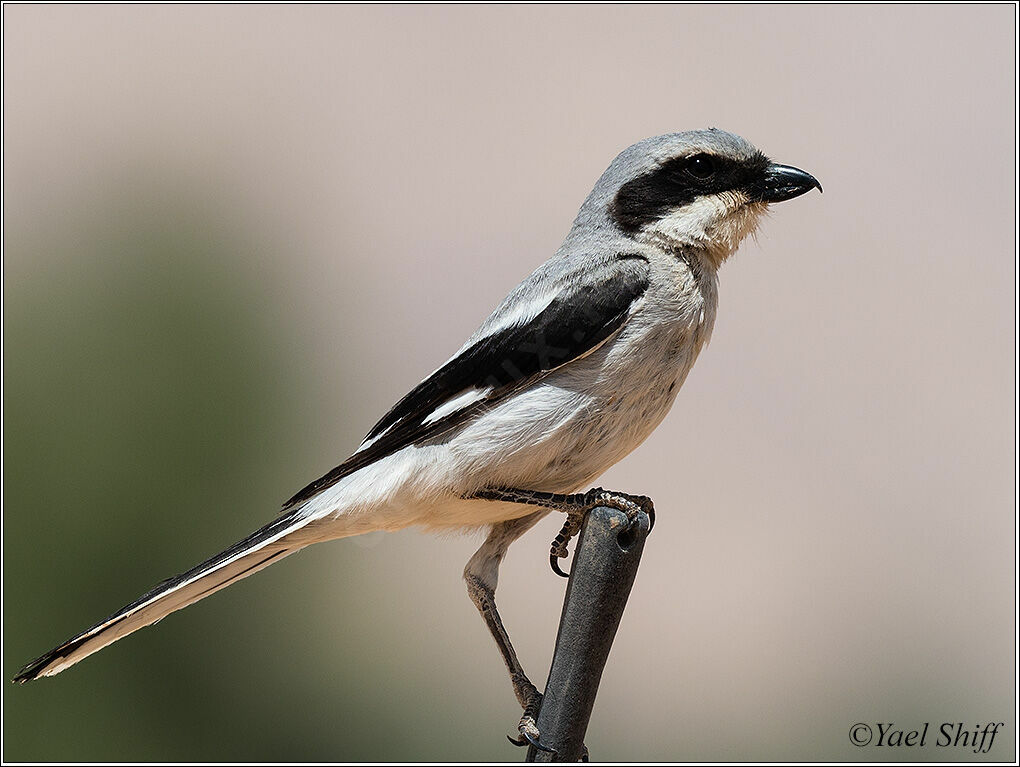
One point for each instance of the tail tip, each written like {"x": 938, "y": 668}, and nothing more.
{"x": 37, "y": 668}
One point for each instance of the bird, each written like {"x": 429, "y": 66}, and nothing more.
{"x": 569, "y": 374}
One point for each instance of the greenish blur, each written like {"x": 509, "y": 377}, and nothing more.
{"x": 149, "y": 399}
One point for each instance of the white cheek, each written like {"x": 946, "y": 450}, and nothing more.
{"x": 692, "y": 223}
{"x": 718, "y": 223}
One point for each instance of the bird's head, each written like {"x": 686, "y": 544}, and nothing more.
{"x": 699, "y": 190}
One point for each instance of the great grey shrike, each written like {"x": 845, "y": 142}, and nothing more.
{"x": 569, "y": 374}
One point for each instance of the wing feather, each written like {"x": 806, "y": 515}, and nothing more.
{"x": 582, "y": 315}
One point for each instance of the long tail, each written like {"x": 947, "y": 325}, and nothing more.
{"x": 260, "y": 549}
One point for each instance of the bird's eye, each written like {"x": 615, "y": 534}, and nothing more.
{"x": 700, "y": 166}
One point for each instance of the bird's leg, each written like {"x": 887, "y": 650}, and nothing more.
{"x": 576, "y": 506}
{"x": 481, "y": 575}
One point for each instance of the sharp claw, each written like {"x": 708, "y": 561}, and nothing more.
{"x": 651, "y": 520}
{"x": 519, "y": 742}
{"x": 554, "y": 563}
{"x": 536, "y": 744}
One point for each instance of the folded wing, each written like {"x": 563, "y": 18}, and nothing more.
{"x": 517, "y": 346}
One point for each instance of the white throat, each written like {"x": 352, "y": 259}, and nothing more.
{"x": 714, "y": 225}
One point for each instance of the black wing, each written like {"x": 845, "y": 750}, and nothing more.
{"x": 579, "y": 318}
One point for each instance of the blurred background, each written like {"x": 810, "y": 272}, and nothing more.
{"x": 234, "y": 236}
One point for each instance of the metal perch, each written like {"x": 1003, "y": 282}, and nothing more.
{"x": 605, "y": 564}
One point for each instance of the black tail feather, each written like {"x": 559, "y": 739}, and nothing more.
{"x": 35, "y": 668}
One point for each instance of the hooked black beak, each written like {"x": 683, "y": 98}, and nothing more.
{"x": 784, "y": 182}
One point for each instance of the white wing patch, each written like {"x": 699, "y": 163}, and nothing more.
{"x": 519, "y": 314}
{"x": 461, "y": 401}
